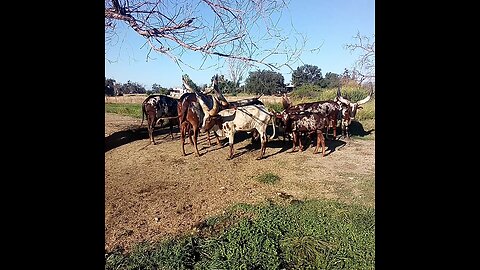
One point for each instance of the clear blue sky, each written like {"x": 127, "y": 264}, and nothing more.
{"x": 329, "y": 23}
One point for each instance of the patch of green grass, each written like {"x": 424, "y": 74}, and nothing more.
{"x": 268, "y": 178}
{"x": 367, "y": 111}
{"x": 276, "y": 107}
{"x": 305, "y": 235}
{"x": 361, "y": 190}
{"x": 127, "y": 109}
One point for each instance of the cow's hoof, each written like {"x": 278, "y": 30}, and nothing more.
{"x": 258, "y": 158}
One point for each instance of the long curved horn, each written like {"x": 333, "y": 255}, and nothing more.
{"x": 338, "y": 92}
{"x": 215, "y": 108}
{"x": 188, "y": 87}
{"x": 343, "y": 100}
{"x": 203, "y": 105}
{"x": 363, "y": 101}
{"x": 207, "y": 90}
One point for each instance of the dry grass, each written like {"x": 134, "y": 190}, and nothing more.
{"x": 137, "y": 98}
{"x": 140, "y": 97}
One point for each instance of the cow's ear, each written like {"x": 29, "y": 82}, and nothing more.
{"x": 359, "y": 107}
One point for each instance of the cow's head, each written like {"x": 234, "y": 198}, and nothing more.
{"x": 352, "y": 106}
{"x": 211, "y": 115}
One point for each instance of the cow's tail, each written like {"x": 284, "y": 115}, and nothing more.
{"x": 273, "y": 126}
{"x": 184, "y": 110}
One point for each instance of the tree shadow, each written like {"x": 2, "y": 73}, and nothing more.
{"x": 122, "y": 137}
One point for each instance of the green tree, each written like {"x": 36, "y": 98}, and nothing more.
{"x": 109, "y": 87}
{"x": 264, "y": 82}
{"x": 307, "y": 74}
{"x": 156, "y": 88}
{"x": 227, "y": 86}
{"x": 133, "y": 88}
{"x": 331, "y": 80}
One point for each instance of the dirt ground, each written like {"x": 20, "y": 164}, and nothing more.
{"x": 152, "y": 191}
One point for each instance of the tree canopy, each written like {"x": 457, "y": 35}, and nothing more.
{"x": 307, "y": 74}
{"x": 265, "y": 82}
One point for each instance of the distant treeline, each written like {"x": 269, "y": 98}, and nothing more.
{"x": 258, "y": 82}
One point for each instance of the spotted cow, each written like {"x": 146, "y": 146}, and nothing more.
{"x": 157, "y": 107}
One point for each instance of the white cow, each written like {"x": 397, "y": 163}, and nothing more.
{"x": 246, "y": 118}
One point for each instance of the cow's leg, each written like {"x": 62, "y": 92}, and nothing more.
{"x": 189, "y": 129}
{"x": 347, "y": 132}
{"x": 171, "y": 128}
{"x": 183, "y": 128}
{"x": 151, "y": 127}
{"x": 188, "y": 132}
{"x": 255, "y": 136}
{"x": 264, "y": 140}
{"x": 231, "y": 136}
{"x": 334, "y": 124}
{"x": 218, "y": 139}
{"x": 195, "y": 137}
{"x": 344, "y": 127}
{"x": 320, "y": 140}
{"x": 295, "y": 140}
{"x": 208, "y": 138}
{"x": 300, "y": 137}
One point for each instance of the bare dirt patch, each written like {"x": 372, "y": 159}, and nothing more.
{"x": 152, "y": 191}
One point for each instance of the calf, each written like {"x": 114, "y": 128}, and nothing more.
{"x": 156, "y": 107}
{"x": 246, "y": 118}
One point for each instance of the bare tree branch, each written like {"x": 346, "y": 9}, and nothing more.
{"x": 365, "y": 64}
{"x": 245, "y": 30}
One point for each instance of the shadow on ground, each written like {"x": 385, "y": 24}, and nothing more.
{"x": 126, "y": 136}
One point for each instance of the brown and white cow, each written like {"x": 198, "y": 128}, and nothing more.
{"x": 306, "y": 123}
{"x": 349, "y": 110}
{"x": 329, "y": 110}
{"x": 157, "y": 107}
{"x": 245, "y": 118}
{"x": 191, "y": 116}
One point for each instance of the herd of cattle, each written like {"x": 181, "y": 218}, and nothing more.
{"x": 207, "y": 111}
